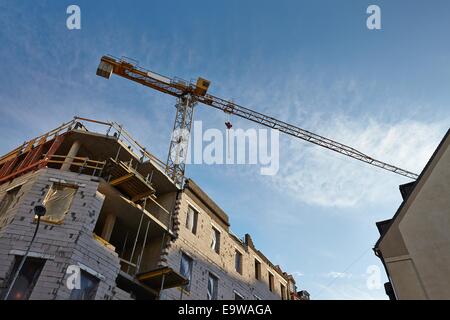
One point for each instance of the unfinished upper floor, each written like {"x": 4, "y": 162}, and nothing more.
{"x": 64, "y": 169}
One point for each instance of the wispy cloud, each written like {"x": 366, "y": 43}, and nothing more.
{"x": 297, "y": 274}
{"x": 335, "y": 274}
{"x": 358, "y": 113}
{"x": 348, "y": 291}
{"x": 49, "y": 76}
{"x": 321, "y": 177}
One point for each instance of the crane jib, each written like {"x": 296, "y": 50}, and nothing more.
{"x": 197, "y": 93}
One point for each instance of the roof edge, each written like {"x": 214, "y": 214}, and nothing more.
{"x": 413, "y": 188}
{"x": 215, "y": 209}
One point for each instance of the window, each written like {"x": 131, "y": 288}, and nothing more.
{"x": 27, "y": 278}
{"x": 186, "y": 269}
{"x": 257, "y": 270}
{"x": 271, "y": 282}
{"x": 238, "y": 296}
{"x": 8, "y": 200}
{"x": 88, "y": 287}
{"x": 58, "y": 201}
{"x": 212, "y": 287}
{"x": 215, "y": 241}
{"x": 191, "y": 220}
{"x": 238, "y": 261}
{"x": 283, "y": 291}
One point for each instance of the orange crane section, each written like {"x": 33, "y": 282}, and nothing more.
{"x": 189, "y": 94}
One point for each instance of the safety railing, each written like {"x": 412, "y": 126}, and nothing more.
{"x": 116, "y": 130}
{"x": 111, "y": 129}
{"x": 83, "y": 163}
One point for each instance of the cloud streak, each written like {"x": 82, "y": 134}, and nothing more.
{"x": 321, "y": 177}
{"x": 335, "y": 274}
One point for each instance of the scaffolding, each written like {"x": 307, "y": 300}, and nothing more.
{"x": 38, "y": 152}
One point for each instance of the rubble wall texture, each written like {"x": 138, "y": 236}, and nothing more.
{"x": 61, "y": 245}
{"x": 222, "y": 265}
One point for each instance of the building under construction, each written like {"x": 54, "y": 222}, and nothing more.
{"x": 117, "y": 227}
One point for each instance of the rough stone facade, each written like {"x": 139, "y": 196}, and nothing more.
{"x": 72, "y": 243}
{"x": 222, "y": 264}
{"x": 61, "y": 245}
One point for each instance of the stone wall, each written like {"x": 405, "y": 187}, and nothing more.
{"x": 61, "y": 245}
{"x": 221, "y": 264}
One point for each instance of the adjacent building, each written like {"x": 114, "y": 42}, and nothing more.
{"x": 117, "y": 227}
{"x": 414, "y": 246}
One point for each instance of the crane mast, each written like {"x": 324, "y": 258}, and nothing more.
{"x": 188, "y": 94}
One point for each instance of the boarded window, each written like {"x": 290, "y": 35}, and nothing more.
{"x": 271, "y": 280}
{"x": 213, "y": 284}
{"x": 215, "y": 240}
{"x": 257, "y": 270}
{"x": 186, "y": 269}
{"x": 8, "y": 200}
{"x": 191, "y": 220}
{"x": 238, "y": 261}
{"x": 88, "y": 287}
{"x": 58, "y": 201}
{"x": 27, "y": 278}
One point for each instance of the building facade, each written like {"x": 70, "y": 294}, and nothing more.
{"x": 117, "y": 227}
{"x": 218, "y": 263}
{"x": 414, "y": 246}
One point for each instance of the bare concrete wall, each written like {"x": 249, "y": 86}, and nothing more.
{"x": 407, "y": 284}
{"x": 426, "y": 231}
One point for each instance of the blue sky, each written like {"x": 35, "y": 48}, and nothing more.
{"x": 312, "y": 63}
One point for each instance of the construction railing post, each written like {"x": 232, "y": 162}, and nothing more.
{"x": 138, "y": 265}
{"x": 71, "y": 155}
{"x": 135, "y": 241}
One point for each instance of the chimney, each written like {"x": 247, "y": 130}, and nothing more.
{"x": 248, "y": 241}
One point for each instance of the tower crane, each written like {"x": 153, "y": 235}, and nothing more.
{"x": 188, "y": 94}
